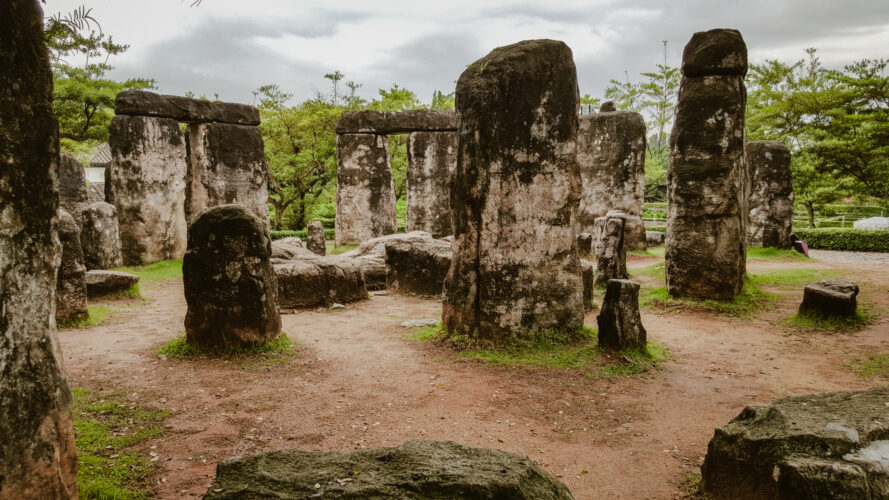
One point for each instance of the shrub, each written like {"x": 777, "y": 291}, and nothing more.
{"x": 859, "y": 240}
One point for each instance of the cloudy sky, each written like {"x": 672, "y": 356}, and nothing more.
{"x": 231, "y": 47}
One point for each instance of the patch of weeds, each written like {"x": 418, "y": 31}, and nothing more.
{"x": 874, "y": 366}
{"x": 657, "y": 251}
{"x": 657, "y": 271}
{"x": 427, "y": 333}
{"x": 97, "y": 316}
{"x": 106, "y": 428}
{"x": 772, "y": 253}
{"x": 751, "y": 299}
{"x": 159, "y": 271}
{"x": 179, "y": 348}
{"x": 862, "y": 318}
{"x": 336, "y": 250}
{"x": 132, "y": 292}
{"x": 690, "y": 484}
{"x": 791, "y": 278}
{"x": 633, "y": 361}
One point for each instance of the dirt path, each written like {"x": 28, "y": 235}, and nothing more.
{"x": 359, "y": 381}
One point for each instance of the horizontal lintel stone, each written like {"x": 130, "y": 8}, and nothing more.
{"x": 396, "y": 122}
{"x": 183, "y": 109}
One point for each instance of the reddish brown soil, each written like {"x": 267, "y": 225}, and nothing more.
{"x": 359, "y": 381}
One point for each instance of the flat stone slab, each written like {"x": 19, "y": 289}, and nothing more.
{"x": 100, "y": 282}
{"x": 396, "y": 122}
{"x": 308, "y": 280}
{"x": 830, "y": 298}
{"x": 414, "y": 470}
{"x": 815, "y": 446}
{"x": 183, "y": 109}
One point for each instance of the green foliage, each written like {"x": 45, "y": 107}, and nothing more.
{"x": 106, "y": 429}
{"x": 771, "y": 253}
{"x": 791, "y": 278}
{"x": 97, "y": 316}
{"x": 752, "y": 299}
{"x": 859, "y": 240}
{"x": 660, "y": 229}
{"x": 159, "y": 271}
{"x": 179, "y": 348}
{"x": 812, "y": 321}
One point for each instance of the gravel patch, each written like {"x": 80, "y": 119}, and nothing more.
{"x": 849, "y": 257}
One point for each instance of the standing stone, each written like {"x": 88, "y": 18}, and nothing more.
{"x": 611, "y": 155}
{"x": 37, "y": 454}
{"x": 516, "y": 269}
{"x": 611, "y": 252}
{"x": 226, "y": 165}
{"x": 431, "y": 157}
{"x": 365, "y": 196}
{"x": 315, "y": 241}
{"x": 73, "y": 193}
{"x": 100, "y": 238}
{"x": 96, "y": 191}
{"x": 705, "y": 245}
{"x": 620, "y": 325}
{"x": 769, "y": 194}
{"x": 230, "y": 286}
{"x": 147, "y": 184}
{"x": 71, "y": 280}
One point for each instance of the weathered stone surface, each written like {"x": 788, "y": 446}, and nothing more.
{"x": 183, "y": 109}
{"x": 431, "y": 158}
{"x": 418, "y": 267}
{"x": 705, "y": 244}
{"x": 315, "y": 240}
{"x": 73, "y": 193}
{"x": 816, "y": 446}
{"x": 611, "y": 252}
{"x": 102, "y": 282}
{"x": 365, "y": 197}
{"x": 655, "y": 238}
{"x": 611, "y": 155}
{"x": 588, "y": 274}
{"x": 585, "y": 244}
{"x": 100, "y": 238}
{"x": 289, "y": 248}
{"x": 71, "y": 282}
{"x": 516, "y": 268}
{"x": 413, "y": 471}
{"x": 830, "y": 298}
{"x": 620, "y": 325}
{"x": 715, "y": 52}
{"x": 147, "y": 184}
{"x": 368, "y": 121}
{"x": 96, "y": 192}
{"x": 769, "y": 194}
{"x": 607, "y": 107}
{"x": 309, "y": 280}
{"x": 230, "y": 286}
{"x": 226, "y": 165}
{"x": 37, "y": 454}
{"x": 371, "y": 256}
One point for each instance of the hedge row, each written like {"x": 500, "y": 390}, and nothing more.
{"x": 301, "y": 234}
{"x": 858, "y": 240}
{"x": 660, "y": 229}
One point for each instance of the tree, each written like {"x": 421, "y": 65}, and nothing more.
{"x": 441, "y": 100}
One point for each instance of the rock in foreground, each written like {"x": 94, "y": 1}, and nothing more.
{"x": 414, "y": 470}
{"x": 829, "y": 298}
{"x": 817, "y": 446}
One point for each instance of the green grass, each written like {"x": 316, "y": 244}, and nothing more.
{"x": 791, "y": 278}
{"x": 656, "y": 271}
{"x": 634, "y": 361}
{"x": 97, "y": 316}
{"x": 657, "y": 251}
{"x": 132, "y": 292}
{"x": 179, "y": 348}
{"x": 874, "y": 366}
{"x": 334, "y": 250}
{"x": 106, "y": 428}
{"x": 159, "y": 271}
{"x": 774, "y": 254}
{"x": 751, "y": 299}
{"x": 862, "y": 318}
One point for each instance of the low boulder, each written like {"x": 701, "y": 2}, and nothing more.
{"x": 71, "y": 278}
{"x": 100, "y": 237}
{"x": 655, "y": 238}
{"x": 830, "y": 298}
{"x": 371, "y": 256}
{"x": 418, "y": 267}
{"x": 620, "y": 324}
{"x": 816, "y": 446}
{"x": 415, "y": 470}
{"x": 310, "y": 280}
{"x": 100, "y": 283}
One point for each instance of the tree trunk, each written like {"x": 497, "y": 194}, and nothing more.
{"x": 810, "y": 211}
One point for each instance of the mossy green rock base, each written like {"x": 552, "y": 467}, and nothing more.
{"x": 414, "y": 470}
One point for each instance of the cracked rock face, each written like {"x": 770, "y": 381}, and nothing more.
{"x": 769, "y": 194}
{"x": 100, "y": 238}
{"x": 365, "y": 197}
{"x": 431, "y": 157}
{"x": 706, "y": 238}
{"x": 230, "y": 286}
{"x": 147, "y": 186}
{"x": 315, "y": 241}
{"x": 71, "y": 288}
{"x": 309, "y": 280}
{"x": 37, "y": 454}
{"x": 418, "y": 267}
{"x": 516, "y": 269}
{"x": 820, "y": 446}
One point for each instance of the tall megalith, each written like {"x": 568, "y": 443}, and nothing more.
{"x": 431, "y": 157}
{"x": 147, "y": 184}
{"x": 37, "y": 454}
{"x": 516, "y": 269}
{"x": 71, "y": 278}
{"x": 769, "y": 194}
{"x": 705, "y": 247}
{"x": 73, "y": 192}
{"x": 365, "y": 195}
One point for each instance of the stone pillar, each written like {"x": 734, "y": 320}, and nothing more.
{"x": 71, "y": 279}
{"x": 226, "y": 165}
{"x": 431, "y": 157}
{"x": 37, "y": 454}
{"x": 769, "y": 194}
{"x": 365, "y": 196}
{"x": 147, "y": 184}
{"x": 611, "y": 253}
{"x": 315, "y": 241}
{"x": 705, "y": 246}
{"x": 73, "y": 193}
{"x": 620, "y": 324}
{"x": 100, "y": 238}
{"x": 516, "y": 269}
{"x": 230, "y": 286}
{"x": 611, "y": 155}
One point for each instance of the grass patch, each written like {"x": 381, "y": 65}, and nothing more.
{"x": 862, "y": 318}
{"x": 426, "y": 333}
{"x": 657, "y": 271}
{"x": 774, "y": 254}
{"x": 751, "y": 299}
{"x": 97, "y": 316}
{"x": 132, "y": 292}
{"x": 336, "y": 250}
{"x": 657, "y": 251}
{"x": 874, "y": 366}
{"x": 791, "y": 278}
{"x": 282, "y": 346}
{"x": 106, "y": 428}
{"x": 159, "y": 271}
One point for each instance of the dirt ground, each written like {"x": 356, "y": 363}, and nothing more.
{"x": 359, "y": 380}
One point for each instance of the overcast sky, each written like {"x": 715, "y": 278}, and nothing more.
{"x": 231, "y": 47}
